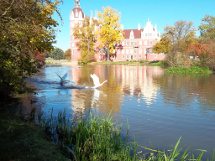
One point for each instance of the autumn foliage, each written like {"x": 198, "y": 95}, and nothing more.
{"x": 205, "y": 47}
{"x": 86, "y": 34}
{"x": 111, "y": 31}
{"x": 26, "y": 31}
{"x": 175, "y": 42}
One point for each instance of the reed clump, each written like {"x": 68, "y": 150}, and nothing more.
{"x": 89, "y": 139}
{"x": 101, "y": 139}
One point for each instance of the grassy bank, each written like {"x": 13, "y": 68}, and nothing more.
{"x": 188, "y": 70}
{"x": 142, "y": 62}
{"x": 117, "y": 63}
{"x": 101, "y": 139}
{"x": 156, "y": 63}
{"x": 93, "y": 138}
{"x": 25, "y": 141}
{"x": 63, "y": 62}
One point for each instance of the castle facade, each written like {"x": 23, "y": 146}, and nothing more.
{"x": 137, "y": 44}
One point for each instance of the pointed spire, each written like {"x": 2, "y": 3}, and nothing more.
{"x": 77, "y": 4}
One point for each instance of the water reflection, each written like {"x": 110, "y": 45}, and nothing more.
{"x": 160, "y": 108}
{"x": 181, "y": 91}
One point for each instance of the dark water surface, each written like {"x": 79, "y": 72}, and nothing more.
{"x": 160, "y": 108}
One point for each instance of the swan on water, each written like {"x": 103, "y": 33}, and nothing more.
{"x": 63, "y": 81}
{"x": 96, "y": 81}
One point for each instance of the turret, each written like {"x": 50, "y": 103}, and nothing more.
{"x": 77, "y": 4}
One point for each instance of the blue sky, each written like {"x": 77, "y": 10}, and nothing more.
{"x": 160, "y": 12}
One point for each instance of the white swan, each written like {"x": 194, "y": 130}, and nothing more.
{"x": 63, "y": 81}
{"x": 96, "y": 81}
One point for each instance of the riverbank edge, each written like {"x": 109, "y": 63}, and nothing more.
{"x": 24, "y": 140}
{"x": 188, "y": 70}
{"x": 51, "y": 62}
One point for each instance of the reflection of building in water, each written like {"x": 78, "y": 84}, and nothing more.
{"x": 85, "y": 98}
{"x": 78, "y": 105}
{"x": 138, "y": 80}
{"x": 103, "y": 98}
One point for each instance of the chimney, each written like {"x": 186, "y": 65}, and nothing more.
{"x": 138, "y": 26}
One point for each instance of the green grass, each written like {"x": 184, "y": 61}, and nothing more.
{"x": 20, "y": 140}
{"x": 132, "y": 62}
{"x": 91, "y": 139}
{"x": 88, "y": 139}
{"x": 156, "y": 63}
{"x": 188, "y": 70}
{"x": 101, "y": 139}
{"x": 117, "y": 63}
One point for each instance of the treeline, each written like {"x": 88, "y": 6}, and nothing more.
{"x": 58, "y": 54}
{"x": 181, "y": 44}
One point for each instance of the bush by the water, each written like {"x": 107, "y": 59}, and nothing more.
{"x": 188, "y": 70}
{"x": 156, "y": 63}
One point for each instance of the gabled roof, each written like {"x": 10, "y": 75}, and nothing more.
{"x": 137, "y": 33}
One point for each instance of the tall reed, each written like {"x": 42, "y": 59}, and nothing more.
{"x": 92, "y": 139}
{"x": 100, "y": 139}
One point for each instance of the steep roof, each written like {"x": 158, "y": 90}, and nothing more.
{"x": 137, "y": 33}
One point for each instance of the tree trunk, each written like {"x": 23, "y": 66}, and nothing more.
{"x": 108, "y": 52}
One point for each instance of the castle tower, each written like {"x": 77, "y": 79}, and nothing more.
{"x": 76, "y": 18}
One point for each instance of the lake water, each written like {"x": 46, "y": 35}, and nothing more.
{"x": 160, "y": 108}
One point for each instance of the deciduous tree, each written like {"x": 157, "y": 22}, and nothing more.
{"x": 176, "y": 40}
{"x": 163, "y": 46}
{"x": 57, "y": 54}
{"x": 205, "y": 48}
{"x": 86, "y": 34}
{"x": 68, "y": 54}
{"x": 26, "y": 27}
{"x": 207, "y": 28}
{"x": 110, "y": 32}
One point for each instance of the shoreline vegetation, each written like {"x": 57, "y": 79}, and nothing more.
{"x": 94, "y": 138}
{"x": 170, "y": 70}
{"x": 188, "y": 70}
{"x": 63, "y": 62}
